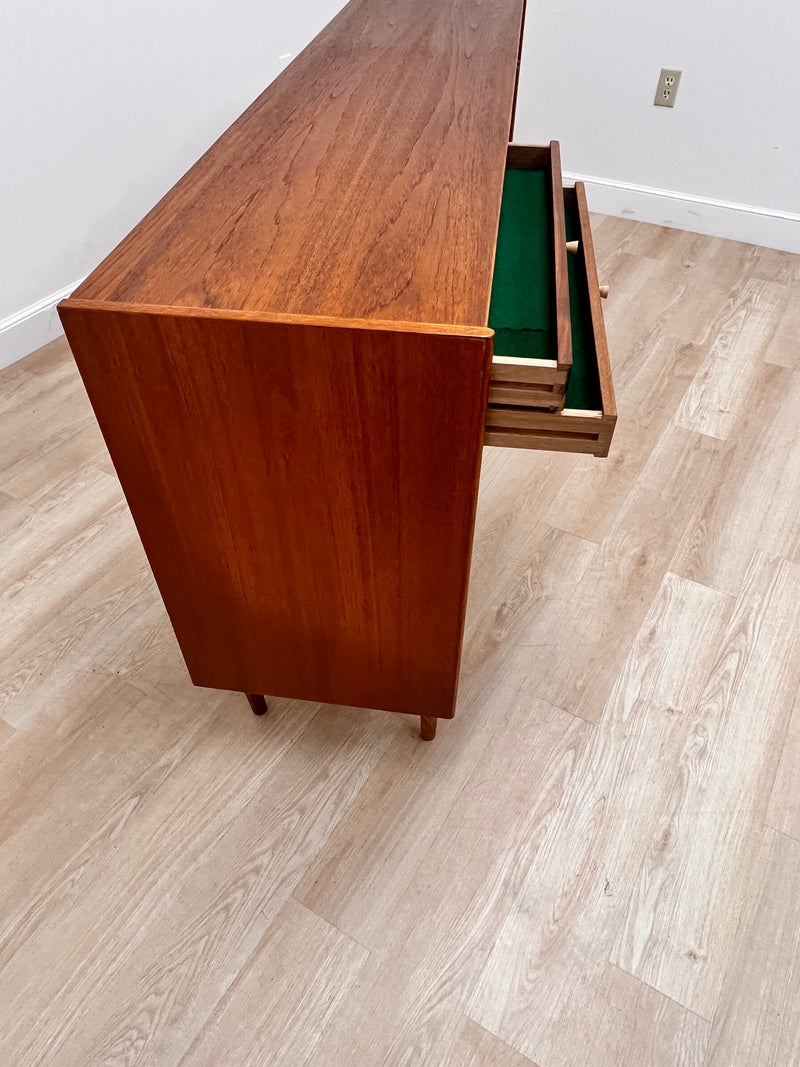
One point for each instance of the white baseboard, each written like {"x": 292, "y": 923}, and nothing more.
{"x": 699, "y": 214}
{"x": 33, "y": 326}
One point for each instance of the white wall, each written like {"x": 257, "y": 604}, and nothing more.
{"x": 714, "y": 163}
{"x": 105, "y": 105}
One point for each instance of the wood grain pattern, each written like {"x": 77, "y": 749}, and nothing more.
{"x": 288, "y": 360}
{"x": 758, "y": 1020}
{"x": 516, "y": 78}
{"x": 374, "y": 841}
{"x": 624, "y": 573}
{"x": 37, "y": 897}
{"x": 132, "y": 803}
{"x": 542, "y": 396}
{"x": 94, "y": 594}
{"x": 548, "y": 440}
{"x": 728, "y": 380}
{"x": 515, "y": 370}
{"x": 783, "y": 813}
{"x": 263, "y": 460}
{"x": 536, "y": 569}
{"x": 365, "y": 182}
{"x": 461, "y": 882}
{"x": 476, "y": 1047}
{"x": 62, "y": 743}
{"x": 633, "y": 1024}
{"x": 526, "y": 418}
{"x": 566, "y": 912}
{"x": 293, "y": 983}
{"x": 27, "y": 464}
{"x": 6, "y": 732}
{"x": 683, "y": 257}
{"x": 591, "y": 495}
{"x": 185, "y": 936}
{"x": 668, "y": 939}
{"x": 753, "y": 505}
{"x": 33, "y": 532}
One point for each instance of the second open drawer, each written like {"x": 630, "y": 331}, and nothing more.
{"x": 529, "y": 308}
{"x": 586, "y": 421}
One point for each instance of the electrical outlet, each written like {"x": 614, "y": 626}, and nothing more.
{"x": 667, "y": 88}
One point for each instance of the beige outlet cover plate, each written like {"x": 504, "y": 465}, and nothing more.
{"x": 667, "y": 89}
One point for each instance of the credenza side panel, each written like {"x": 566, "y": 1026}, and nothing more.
{"x": 305, "y": 495}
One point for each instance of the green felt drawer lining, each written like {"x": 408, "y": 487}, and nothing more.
{"x": 522, "y": 306}
{"x": 521, "y": 310}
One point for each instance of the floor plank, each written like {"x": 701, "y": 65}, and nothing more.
{"x": 476, "y": 1047}
{"x": 440, "y": 927}
{"x": 590, "y": 498}
{"x": 288, "y": 992}
{"x": 627, "y": 1022}
{"x": 783, "y": 812}
{"x": 758, "y": 1020}
{"x": 6, "y": 732}
{"x": 724, "y": 385}
{"x": 183, "y": 883}
{"x": 395, "y": 822}
{"x": 550, "y": 958}
{"x": 526, "y": 570}
{"x": 623, "y": 575}
{"x": 168, "y": 920}
{"x": 680, "y": 942}
{"x": 754, "y": 502}
{"x": 61, "y": 615}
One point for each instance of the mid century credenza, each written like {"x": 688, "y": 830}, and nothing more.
{"x": 297, "y": 357}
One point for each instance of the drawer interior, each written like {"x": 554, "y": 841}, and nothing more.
{"x": 586, "y": 422}
{"x": 522, "y": 310}
{"x": 528, "y": 310}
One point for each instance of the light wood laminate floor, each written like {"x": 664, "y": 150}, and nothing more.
{"x": 596, "y": 864}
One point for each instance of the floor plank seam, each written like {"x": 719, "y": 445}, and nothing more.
{"x": 231, "y": 991}
{"x": 704, "y": 585}
{"x": 684, "y": 1007}
{"x": 502, "y": 1040}
{"x": 329, "y": 922}
{"x": 574, "y": 715}
{"x": 782, "y": 833}
{"x": 571, "y": 533}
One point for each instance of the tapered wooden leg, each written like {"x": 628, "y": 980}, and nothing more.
{"x": 257, "y": 703}
{"x": 428, "y": 728}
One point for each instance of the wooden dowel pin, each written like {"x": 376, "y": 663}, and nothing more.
{"x": 572, "y": 246}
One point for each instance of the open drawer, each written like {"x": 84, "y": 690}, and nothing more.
{"x": 529, "y": 308}
{"x": 586, "y": 422}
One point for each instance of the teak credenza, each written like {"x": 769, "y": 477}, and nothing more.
{"x": 297, "y": 356}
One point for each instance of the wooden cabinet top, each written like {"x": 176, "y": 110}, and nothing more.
{"x": 364, "y": 183}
